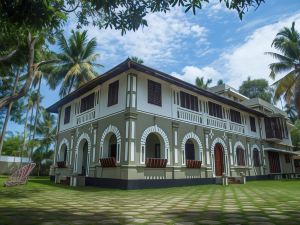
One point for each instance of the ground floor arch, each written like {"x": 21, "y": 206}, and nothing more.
{"x": 110, "y": 143}
{"x": 154, "y": 144}
{"x": 82, "y": 155}
{"x": 191, "y": 148}
{"x": 219, "y": 159}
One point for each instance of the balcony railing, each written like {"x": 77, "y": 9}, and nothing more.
{"x": 108, "y": 162}
{"x": 216, "y": 122}
{"x": 156, "y": 163}
{"x": 189, "y": 115}
{"x": 61, "y": 164}
{"x": 85, "y": 117}
{"x": 207, "y": 120}
{"x": 193, "y": 164}
{"x": 236, "y": 127}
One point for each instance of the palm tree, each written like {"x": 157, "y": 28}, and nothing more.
{"x": 46, "y": 131}
{"x": 201, "y": 84}
{"x": 291, "y": 112}
{"x": 75, "y": 64}
{"x": 29, "y": 106}
{"x": 287, "y": 42}
{"x": 137, "y": 59}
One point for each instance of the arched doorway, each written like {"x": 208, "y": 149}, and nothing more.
{"x": 256, "y": 160}
{"x": 219, "y": 159}
{"x": 153, "y": 146}
{"x": 63, "y": 153}
{"x": 240, "y": 156}
{"x": 112, "y": 146}
{"x": 82, "y": 158}
{"x": 190, "y": 150}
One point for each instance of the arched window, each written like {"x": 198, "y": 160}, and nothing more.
{"x": 189, "y": 150}
{"x": 256, "y": 161}
{"x": 153, "y": 146}
{"x": 240, "y": 156}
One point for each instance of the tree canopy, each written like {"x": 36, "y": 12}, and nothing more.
{"x": 256, "y": 88}
{"x": 287, "y": 42}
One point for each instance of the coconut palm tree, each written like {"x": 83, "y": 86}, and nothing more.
{"x": 137, "y": 59}
{"x": 76, "y": 62}
{"x": 200, "y": 83}
{"x": 287, "y": 42}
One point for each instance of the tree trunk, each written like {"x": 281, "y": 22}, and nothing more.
{"x": 8, "y": 113}
{"x": 297, "y": 96}
{"x": 24, "y": 137}
{"x": 30, "y": 72}
{"x": 36, "y": 113}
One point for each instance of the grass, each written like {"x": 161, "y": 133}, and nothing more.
{"x": 257, "y": 202}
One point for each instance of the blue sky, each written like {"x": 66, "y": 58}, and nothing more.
{"x": 214, "y": 43}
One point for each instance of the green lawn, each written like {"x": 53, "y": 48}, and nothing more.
{"x": 257, "y": 202}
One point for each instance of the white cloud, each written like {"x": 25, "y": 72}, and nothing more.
{"x": 248, "y": 59}
{"x": 190, "y": 73}
{"x": 160, "y": 41}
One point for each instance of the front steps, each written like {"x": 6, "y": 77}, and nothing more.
{"x": 233, "y": 180}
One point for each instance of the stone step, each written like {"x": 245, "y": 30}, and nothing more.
{"x": 233, "y": 180}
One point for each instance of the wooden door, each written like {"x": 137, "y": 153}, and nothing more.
{"x": 219, "y": 160}
{"x": 274, "y": 162}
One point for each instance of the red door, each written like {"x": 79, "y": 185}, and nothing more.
{"x": 274, "y": 162}
{"x": 219, "y": 160}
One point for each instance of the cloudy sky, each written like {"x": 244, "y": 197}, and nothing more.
{"x": 214, "y": 43}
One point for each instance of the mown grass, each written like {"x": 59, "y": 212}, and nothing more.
{"x": 257, "y": 202}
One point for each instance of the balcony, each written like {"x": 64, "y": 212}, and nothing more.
{"x": 194, "y": 164}
{"x": 85, "y": 117}
{"x": 108, "y": 162}
{"x": 236, "y": 127}
{"x": 61, "y": 164}
{"x": 210, "y": 121}
{"x": 156, "y": 163}
{"x": 189, "y": 115}
{"x": 216, "y": 122}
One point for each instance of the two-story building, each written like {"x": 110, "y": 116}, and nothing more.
{"x": 137, "y": 127}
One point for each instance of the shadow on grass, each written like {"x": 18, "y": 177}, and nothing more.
{"x": 29, "y": 216}
{"x": 236, "y": 217}
{"x": 24, "y": 216}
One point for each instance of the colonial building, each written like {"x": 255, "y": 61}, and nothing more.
{"x": 136, "y": 127}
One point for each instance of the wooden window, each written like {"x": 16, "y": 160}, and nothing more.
{"x": 256, "y": 161}
{"x": 252, "y": 124}
{"x": 235, "y": 116}
{"x": 113, "y": 92}
{"x": 215, "y": 109}
{"x": 240, "y": 156}
{"x": 287, "y": 158}
{"x": 154, "y": 93}
{"x": 87, "y": 103}
{"x": 67, "y": 114}
{"x": 276, "y": 127}
{"x": 188, "y": 101}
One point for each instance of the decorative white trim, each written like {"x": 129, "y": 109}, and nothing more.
{"x": 115, "y": 131}
{"x": 255, "y": 146}
{"x": 88, "y": 139}
{"x": 239, "y": 144}
{"x": 191, "y": 135}
{"x": 221, "y": 142}
{"x": 158, "y": 130}
{"x": 66, "y": 142}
